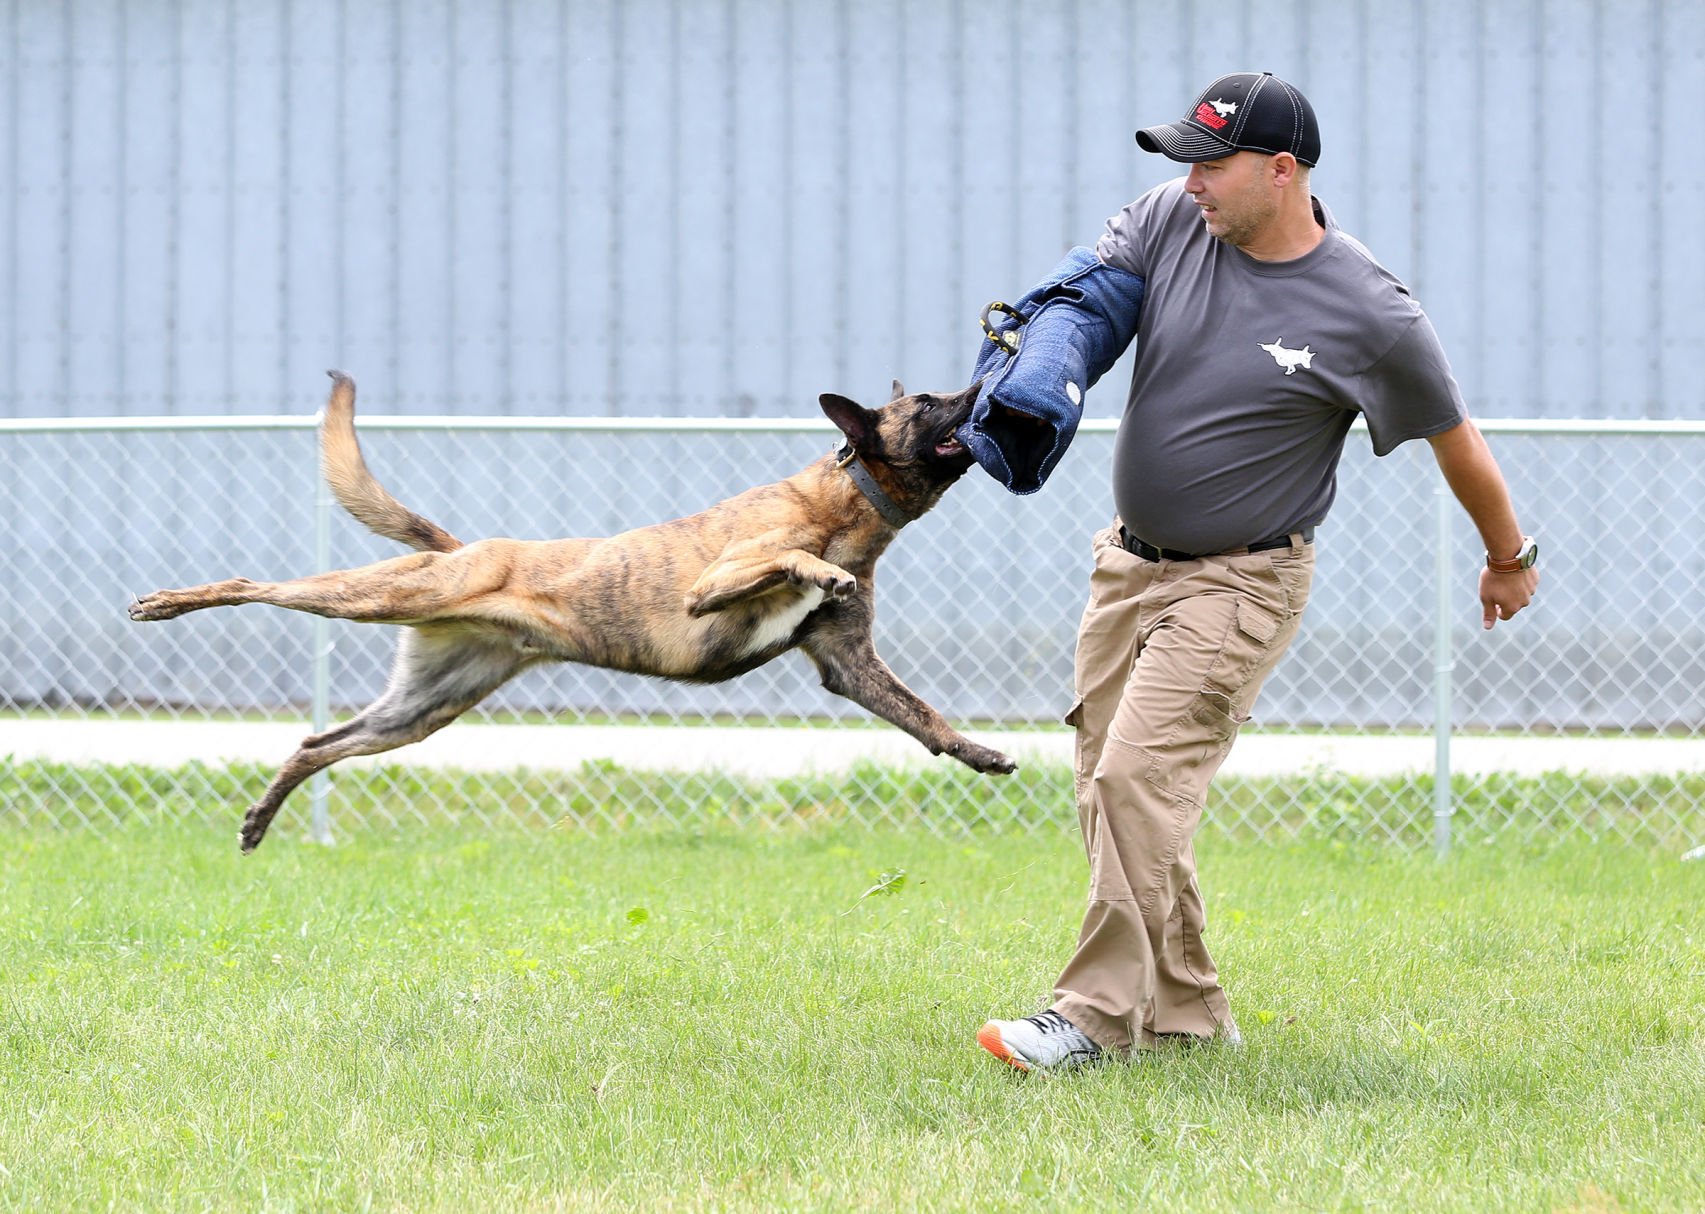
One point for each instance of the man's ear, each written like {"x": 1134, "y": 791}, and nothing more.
{"x": 853, "y": 419}
{"x": 898, "y": 392}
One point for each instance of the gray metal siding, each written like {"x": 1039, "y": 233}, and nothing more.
{"x": 705, "y": 208}
{"x": 690, "y": 208}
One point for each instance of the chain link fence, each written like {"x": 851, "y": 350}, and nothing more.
{"x": 1583, "y": 716}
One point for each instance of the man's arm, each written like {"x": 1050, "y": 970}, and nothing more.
{"x": 1473, "y": 476}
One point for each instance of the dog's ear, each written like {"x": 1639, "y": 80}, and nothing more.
{"x": 853, "y": 419}
{"x": 898, "y": 392}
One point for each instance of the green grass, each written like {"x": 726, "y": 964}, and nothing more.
{"x": 444, "y": 1018}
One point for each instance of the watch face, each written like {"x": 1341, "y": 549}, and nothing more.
{"x": 1529, "y": 553}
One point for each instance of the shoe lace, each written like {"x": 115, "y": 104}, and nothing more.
{"x": 1051, "y": 1023}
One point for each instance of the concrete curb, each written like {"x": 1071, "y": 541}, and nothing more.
{"x": 770, "y": 752}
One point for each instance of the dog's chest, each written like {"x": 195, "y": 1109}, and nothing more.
{"x": 779, "y": 617}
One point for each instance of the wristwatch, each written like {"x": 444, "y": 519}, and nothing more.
{"x": 1525, "y": 558}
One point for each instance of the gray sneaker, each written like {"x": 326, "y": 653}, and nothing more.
{"x": 1046, "y": 1041}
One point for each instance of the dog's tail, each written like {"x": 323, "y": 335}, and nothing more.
{"x": 353, "y": 485}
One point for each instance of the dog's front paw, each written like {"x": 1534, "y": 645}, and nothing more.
{"x": 983, "y": 759}
{"x": 838, "y": 585}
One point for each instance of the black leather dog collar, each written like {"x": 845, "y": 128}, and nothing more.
{"x": 846, "y": 456}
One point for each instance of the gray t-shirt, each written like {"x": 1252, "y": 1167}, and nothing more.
{"x": 1249, "y": 374}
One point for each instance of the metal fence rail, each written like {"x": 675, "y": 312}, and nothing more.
{"x": 1392, "y": 680}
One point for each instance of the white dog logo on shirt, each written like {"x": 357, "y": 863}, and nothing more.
{"x": 1290, "y": 360}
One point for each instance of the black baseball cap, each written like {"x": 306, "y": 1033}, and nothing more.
{"x": 1244, "y": 112}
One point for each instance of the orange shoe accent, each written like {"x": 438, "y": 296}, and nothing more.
{"x": 989, "y": 1037}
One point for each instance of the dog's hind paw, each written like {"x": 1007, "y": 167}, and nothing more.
{"x": 156, "y": 606}
{"x": 252, "y": 833}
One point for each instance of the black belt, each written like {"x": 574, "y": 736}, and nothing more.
{"x": 1149, "y": 552}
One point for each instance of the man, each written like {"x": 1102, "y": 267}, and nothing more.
{"x": 1264, "y": 330}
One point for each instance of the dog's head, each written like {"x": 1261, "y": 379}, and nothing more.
{"x": 909, "y": 443}
{"x": 910, "y": 430}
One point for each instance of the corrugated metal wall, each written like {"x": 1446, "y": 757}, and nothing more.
{"x": 703, "y": 208}
{"x": 727, "y": 206}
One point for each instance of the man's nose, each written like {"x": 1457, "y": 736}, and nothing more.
{"x": 1193, "y": 181}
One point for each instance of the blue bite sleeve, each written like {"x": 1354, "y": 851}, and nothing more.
{"x": 1077, "y": 322}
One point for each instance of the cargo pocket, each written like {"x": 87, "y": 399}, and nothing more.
{"x": 1244, "y": 651}
{"x": 1082, "y": 755}
{"x": 1195, "y": 748}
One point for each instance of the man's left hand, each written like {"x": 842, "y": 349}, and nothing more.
{"x": 1504, "y": 594}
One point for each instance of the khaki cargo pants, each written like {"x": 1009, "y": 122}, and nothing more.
{"x": 1170, "y": 658}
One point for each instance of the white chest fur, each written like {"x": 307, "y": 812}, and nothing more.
{"x": 782, "y": 614}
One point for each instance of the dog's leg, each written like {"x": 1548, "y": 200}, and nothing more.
{"x": 741, "y": 573}
{"x": 438, "y": 675}
{"x": 400, "y": 590}
{"x": 853, "y": 669}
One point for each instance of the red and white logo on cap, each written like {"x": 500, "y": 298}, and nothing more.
{"x": 1215, "y": 114}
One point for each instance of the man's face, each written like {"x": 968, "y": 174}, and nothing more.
{"x": 1237, "y": 196}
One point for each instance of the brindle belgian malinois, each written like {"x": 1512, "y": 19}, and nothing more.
{"x": 699, "y": 599}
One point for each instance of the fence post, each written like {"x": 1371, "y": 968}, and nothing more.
{"x": 319, "y": 788}
{"x": 1442, "y": 665}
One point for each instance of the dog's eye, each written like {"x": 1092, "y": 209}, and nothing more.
{"x": 927, "y": 405}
